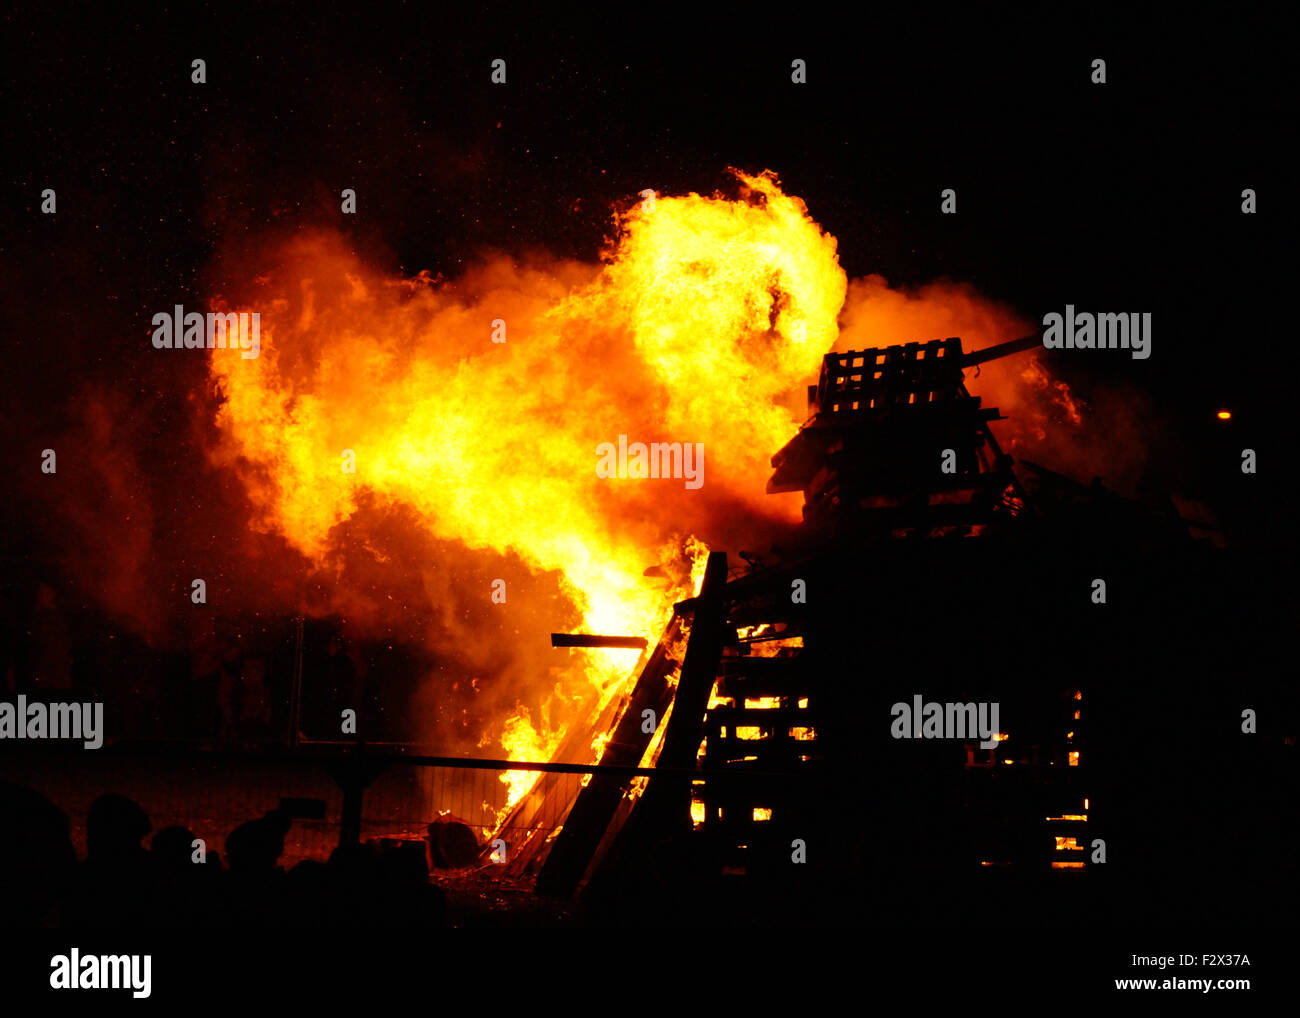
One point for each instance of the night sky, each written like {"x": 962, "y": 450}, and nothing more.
{"x": 1120, "y": 196}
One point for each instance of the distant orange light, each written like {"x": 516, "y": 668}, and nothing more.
{"x": 1224, "y": 415}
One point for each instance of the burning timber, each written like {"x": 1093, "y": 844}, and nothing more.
{"x": 895, "y": 441}
{"x": 770, "y": 743}
{"x": 750, "y": 769}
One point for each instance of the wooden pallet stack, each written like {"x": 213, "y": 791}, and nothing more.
{"x": 744, "y": 737}
{"x": 895, "y": 443}
{"x": 764, "y": 716}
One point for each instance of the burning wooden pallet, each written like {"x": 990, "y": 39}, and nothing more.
{"x": 883, "y": 421}
{"x": 744, "y": 699}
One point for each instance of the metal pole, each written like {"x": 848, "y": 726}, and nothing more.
{"x": 295, "y": 692}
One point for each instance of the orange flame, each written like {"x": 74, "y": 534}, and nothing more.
{"x": 707, "y": 314}
{"x": 468, "y": 413}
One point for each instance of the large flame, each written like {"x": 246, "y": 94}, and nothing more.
{"x": 473, "y": 409}
{"x": 706, "y": 315}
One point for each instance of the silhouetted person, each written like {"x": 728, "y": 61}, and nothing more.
{"x": 409, "y": 900}
{"x": 307, "y": 896}
{"x": 186, "y": 882}
{"x": 112, "y": 887}
{"x": 354, "y": 872}
{"x": 255, "y": 880}
{"x": 115, "y": 827}
{"x": 37, "y": 860}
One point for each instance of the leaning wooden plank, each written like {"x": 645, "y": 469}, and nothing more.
{"x": 559, "y": 797}
{"x": 596, "y": 804}
{"x": 665, "y": 806}
{"x": 699, "y": 670}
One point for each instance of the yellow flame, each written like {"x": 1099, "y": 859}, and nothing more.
{"x": 521, "y": 741}
{"x": 705, "y": 315}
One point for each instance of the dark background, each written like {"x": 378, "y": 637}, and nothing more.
{"x": 1122, "y": 196}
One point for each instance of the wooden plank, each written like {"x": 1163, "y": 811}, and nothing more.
{"x": 596, "y": 804}
{"x": 769, "y": 755}
{"x": 737, "y": 687}
{"x": 791, "y": 667}
{"x": 776, "y": 719}
{"x": 699, "y": 670}
{"x": 589, "y": 640}
{"x": 665, "y": 806}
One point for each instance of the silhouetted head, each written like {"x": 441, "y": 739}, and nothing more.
{"x": 115, "y": 827}
{"x": 172, "y": 847}
{"x": 256, "y": 846}
{"x": 36, "y": 855}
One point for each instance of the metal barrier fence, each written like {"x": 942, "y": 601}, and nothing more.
{"x": 378, "y": 793}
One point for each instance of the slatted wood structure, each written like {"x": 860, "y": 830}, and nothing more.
{"x": 872, "y": 452}
{"x": 765, "y": 715}
{"x": 741, "y": 670}
{"x": 747, "y": 698}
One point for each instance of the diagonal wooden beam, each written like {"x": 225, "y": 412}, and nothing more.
{"x": 596, "y": 804}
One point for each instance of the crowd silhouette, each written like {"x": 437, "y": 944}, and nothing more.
{"x": 122, "y": 884}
